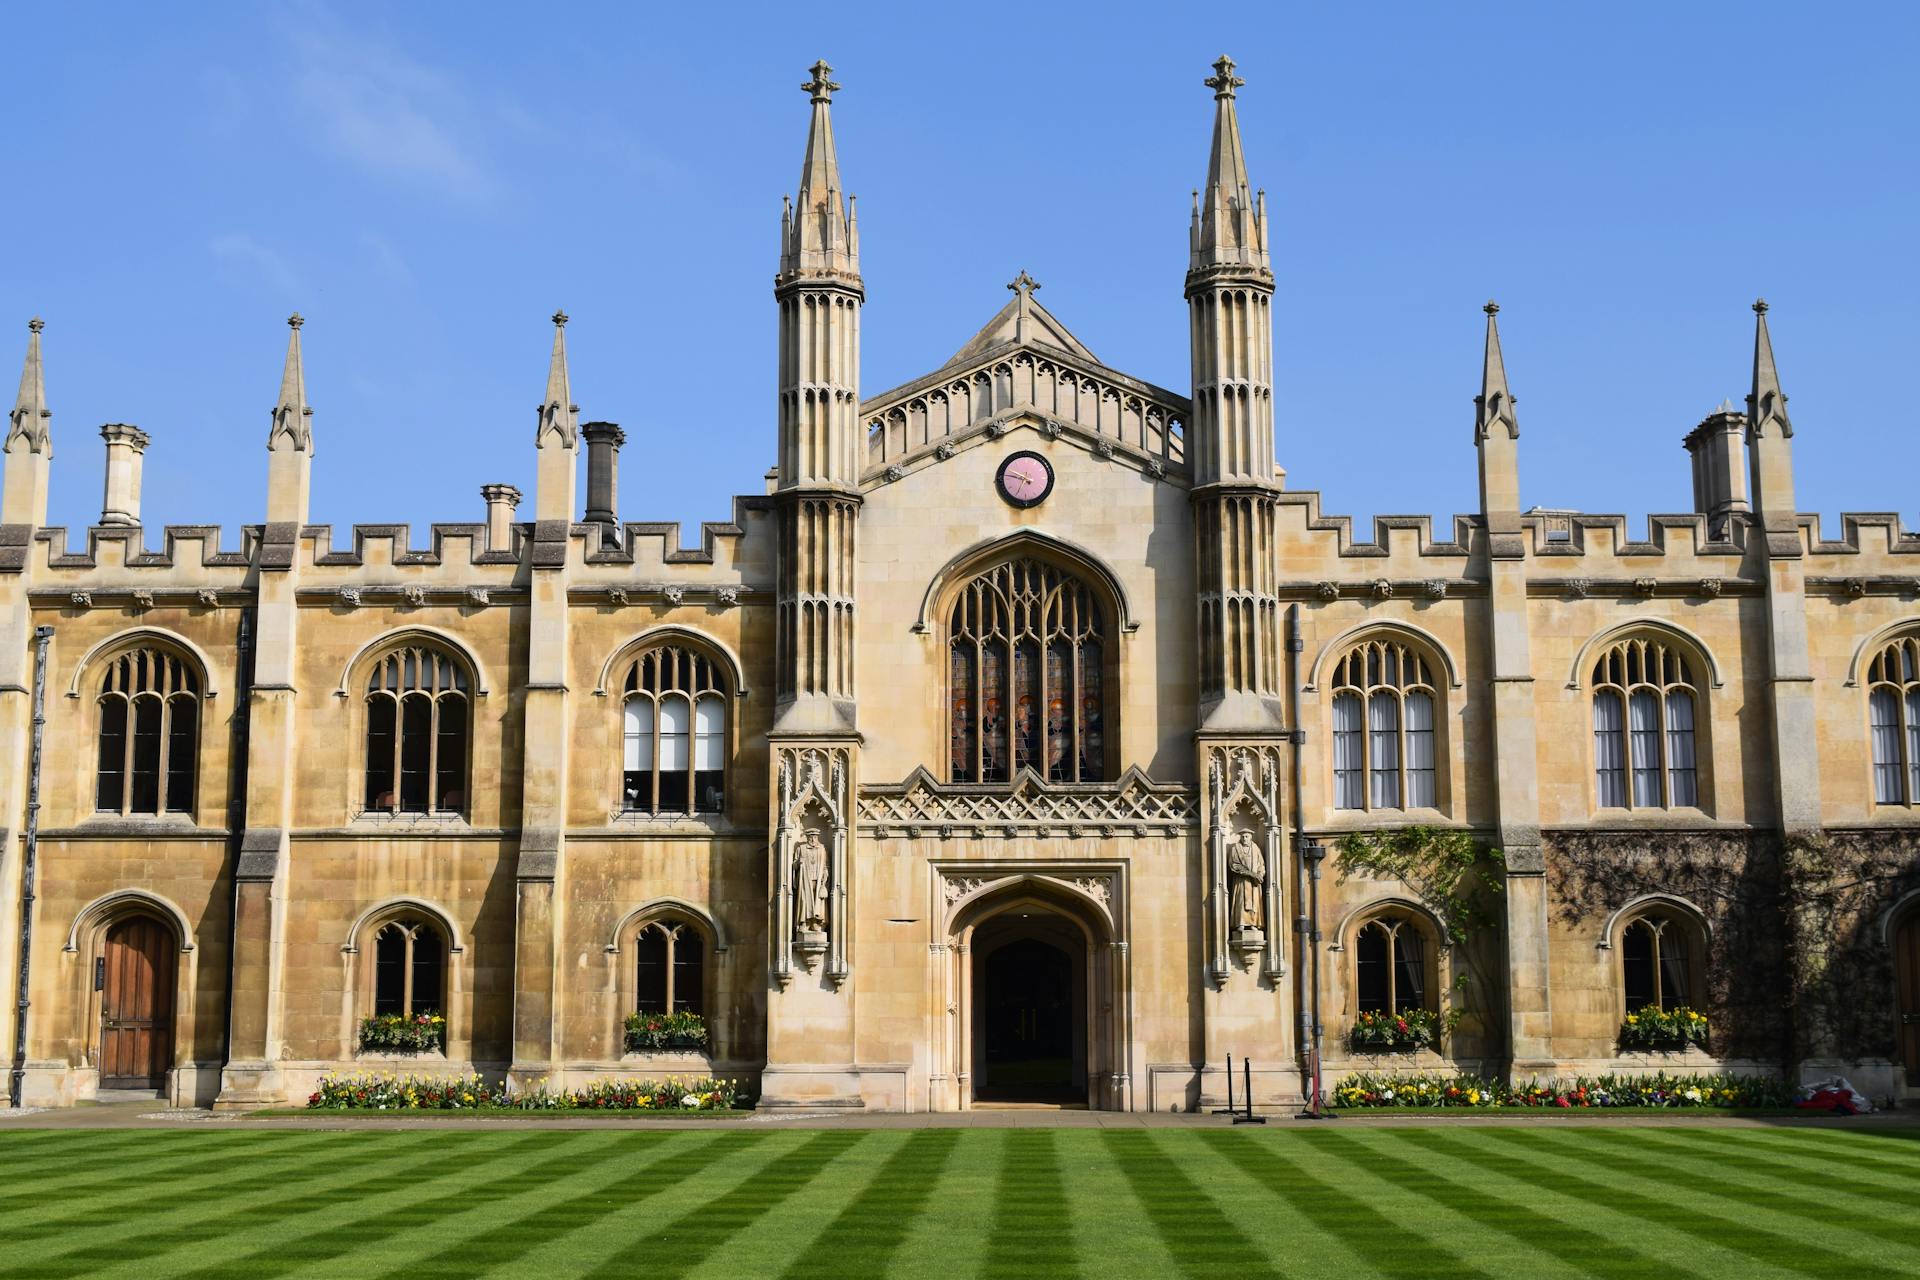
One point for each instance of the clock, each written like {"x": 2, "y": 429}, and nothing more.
{"x": 1025, "y": 479}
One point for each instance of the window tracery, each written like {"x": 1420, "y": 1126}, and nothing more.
{"x": 149, "y": 707}
{"x": 418, "y": 724}
{"x": 1026, "y": 681}
{"x": 1644, "y": 704}
{"x": 1656, "y": 968}
{"x": 409, "y": 968}
{"x": 1383, "y": 728}
{"x": 670, "y": 966}
{"x": 1893, "y": 713}
{"x": 1390, "y": 965}
{"x": 674, "y": 733}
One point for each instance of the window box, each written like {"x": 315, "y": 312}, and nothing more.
{"x": 1656, "y": 1030}
{"x": 679, "y": 1032}
{"x": 1401, "y": 1032}
{"x": 404, "y": 1033}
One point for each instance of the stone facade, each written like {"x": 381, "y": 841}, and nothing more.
{"x": 879, "y": 922}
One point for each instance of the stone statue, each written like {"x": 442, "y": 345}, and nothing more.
{"x": 1247, "y": 874}
{"x": 810, "y": 884}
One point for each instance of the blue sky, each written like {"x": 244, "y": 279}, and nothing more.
{"x": 428, "y": 182}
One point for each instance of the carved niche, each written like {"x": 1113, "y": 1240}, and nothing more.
{"x": 809, "y": 856}
{"x": 1246, "y": 839}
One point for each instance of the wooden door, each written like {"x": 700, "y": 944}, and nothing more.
{"x": 136, "y": 1005}
{"x": 1906, "y": 963}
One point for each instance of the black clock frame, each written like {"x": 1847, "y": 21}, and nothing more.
{"x": 1000, "y": 479}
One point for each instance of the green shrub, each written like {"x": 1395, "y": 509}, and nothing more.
{"x": 1418, "y": 1089}
{"x": 702, "y": 1094}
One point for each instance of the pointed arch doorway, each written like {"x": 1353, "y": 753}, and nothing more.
{"x": 1033, "y": 985}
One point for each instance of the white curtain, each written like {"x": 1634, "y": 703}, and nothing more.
{"x": 1643, "y": 739}
{"x": 1419, "y": 751}
{"x": 1383, "y": 749}
{"x": 1883, "y": 713}
{"x": 673, "y": 734}
{"x": 1349, "y": 772}
{"x": 1609, "y": 759}
{"x": 1913, "y": 743}
{"x": 1682, "y": 783}
{"x": 639, "y": 735}
{"x": 708, "y": 737}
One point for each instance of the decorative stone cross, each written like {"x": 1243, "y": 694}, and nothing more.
{"x": 820, "y": 87}
{"x": 1223, "y": 82}
{"x": 1023, "y": 284}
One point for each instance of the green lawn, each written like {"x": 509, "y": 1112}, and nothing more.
{"x": 1225, "y": 1204}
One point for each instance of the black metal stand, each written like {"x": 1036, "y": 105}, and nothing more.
{"x": 1246, "y": 1066}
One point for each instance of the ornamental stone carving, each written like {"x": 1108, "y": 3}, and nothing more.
{"x": 674, "y": 592}
{"x": 810, "y": 845}
{"x": 1244, "y": 845}
{"x": 727, "y": 596}
{"x": 478, "y": 597}
{"x": 1646, "y": 586}
{"x": 414, "y": 596}
{"x": 207, "y": 596}
{"x": 944, "y": 450}
{"x": 1710, "y": 587}
{"x": 1382, "y": 589}
{"x": 617, "y": 595}
{"x": 1327, "y": 590}
{"x": 143, "y": 600}
{"x": 1579, "y": 588}
{"x": 1103, "y": 448}
{"x": 1436, "y": 588}
{"x": 82, "y": 599}
{"x": 349, "y": 597}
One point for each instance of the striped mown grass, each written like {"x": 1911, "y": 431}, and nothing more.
{"x": 1101, "y": 1204}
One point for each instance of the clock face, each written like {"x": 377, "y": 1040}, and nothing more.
{"x": 1025, "y": 479}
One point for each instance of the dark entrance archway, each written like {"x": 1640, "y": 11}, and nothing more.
{"x": 1030, "y": 994}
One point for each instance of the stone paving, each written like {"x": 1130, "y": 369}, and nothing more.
{"x": 148, "y": 1115}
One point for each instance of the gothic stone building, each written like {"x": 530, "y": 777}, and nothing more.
{"x": 983, "y": 755}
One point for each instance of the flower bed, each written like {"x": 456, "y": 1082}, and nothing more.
{"x": 424, "y": 1032}
{"x": 657, "y": 1032}
{"x": 1373, "y": 1089}
{"x": 704, "y": 1094}
{"x": 1660, "y": 1029}
{"x": 1382, "y": 1032}
{"x": 390, "y": 1092}
{"x": 1381, "y": 1089}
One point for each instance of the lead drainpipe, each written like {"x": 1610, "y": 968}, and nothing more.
{"x": 1306, "y": 888}
{"x": 237, "y": 806}
{"x": 1302, "y": 925}
{"x": 16, "y": 1086}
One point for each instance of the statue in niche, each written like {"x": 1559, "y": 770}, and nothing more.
{"x": 810, "y": 887}
{"x": 1247, "y": 876}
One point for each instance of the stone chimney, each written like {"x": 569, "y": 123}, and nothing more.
{"x": 1719, "y": 450}
{"x": 501, "y": 499}
{"x": 126, "y": 446}
{"x": 603, "y": 468}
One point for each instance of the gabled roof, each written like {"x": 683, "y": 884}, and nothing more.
{"x": 1041, "y": 328}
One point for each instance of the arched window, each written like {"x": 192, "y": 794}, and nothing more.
{"x": 674, "y": 734}
{"x": 1026, "y": 683}
{"x": 1893, "y": 711}
{"x": 149, "y": 734}
{"x": 409, "y": 968}
{"x": 1383, "y": 728}
{"x": 1390, "y": 971}
{"x": 1644, "y": 702}
{"x": 1656, "y": 968}
{"x": 418, "y": 720}
{"x": 670, "y": 968}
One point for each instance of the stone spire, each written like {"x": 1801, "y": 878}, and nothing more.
{"x": 1770, "y": 445}
{"x": 290, "y": 438}
{"x": 29, "y": 443}
{"x": 819, "y": 232}
{"x": 1496, "y": 435}
{"x": 557, "y": 443}
{"x": 558, "y": 413}
{"x": 1229, "y": 219}
{"x": 291, "y": 426}
{"x": 1767, "y": 404}
{"x": 31, "y": 418}
{"x": 1494, "y": 404}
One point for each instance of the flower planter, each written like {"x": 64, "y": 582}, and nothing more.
{"x": 403, "y": 1034}
{"x": 1406, "y": 1031}
{"x": 648, "y": 1033}
{"x": 1653, "y": 1030}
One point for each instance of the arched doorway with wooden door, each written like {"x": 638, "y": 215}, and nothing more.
{"x": 1034, "y": 985}
{"x": 135, "y": 979}
{"x": 1906, "y": 976}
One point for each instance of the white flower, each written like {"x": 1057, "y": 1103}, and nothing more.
{"x": 1693, "y": 1095}
{"x": 690, "y": 1101}
{"x": 1387, "y": 1094}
